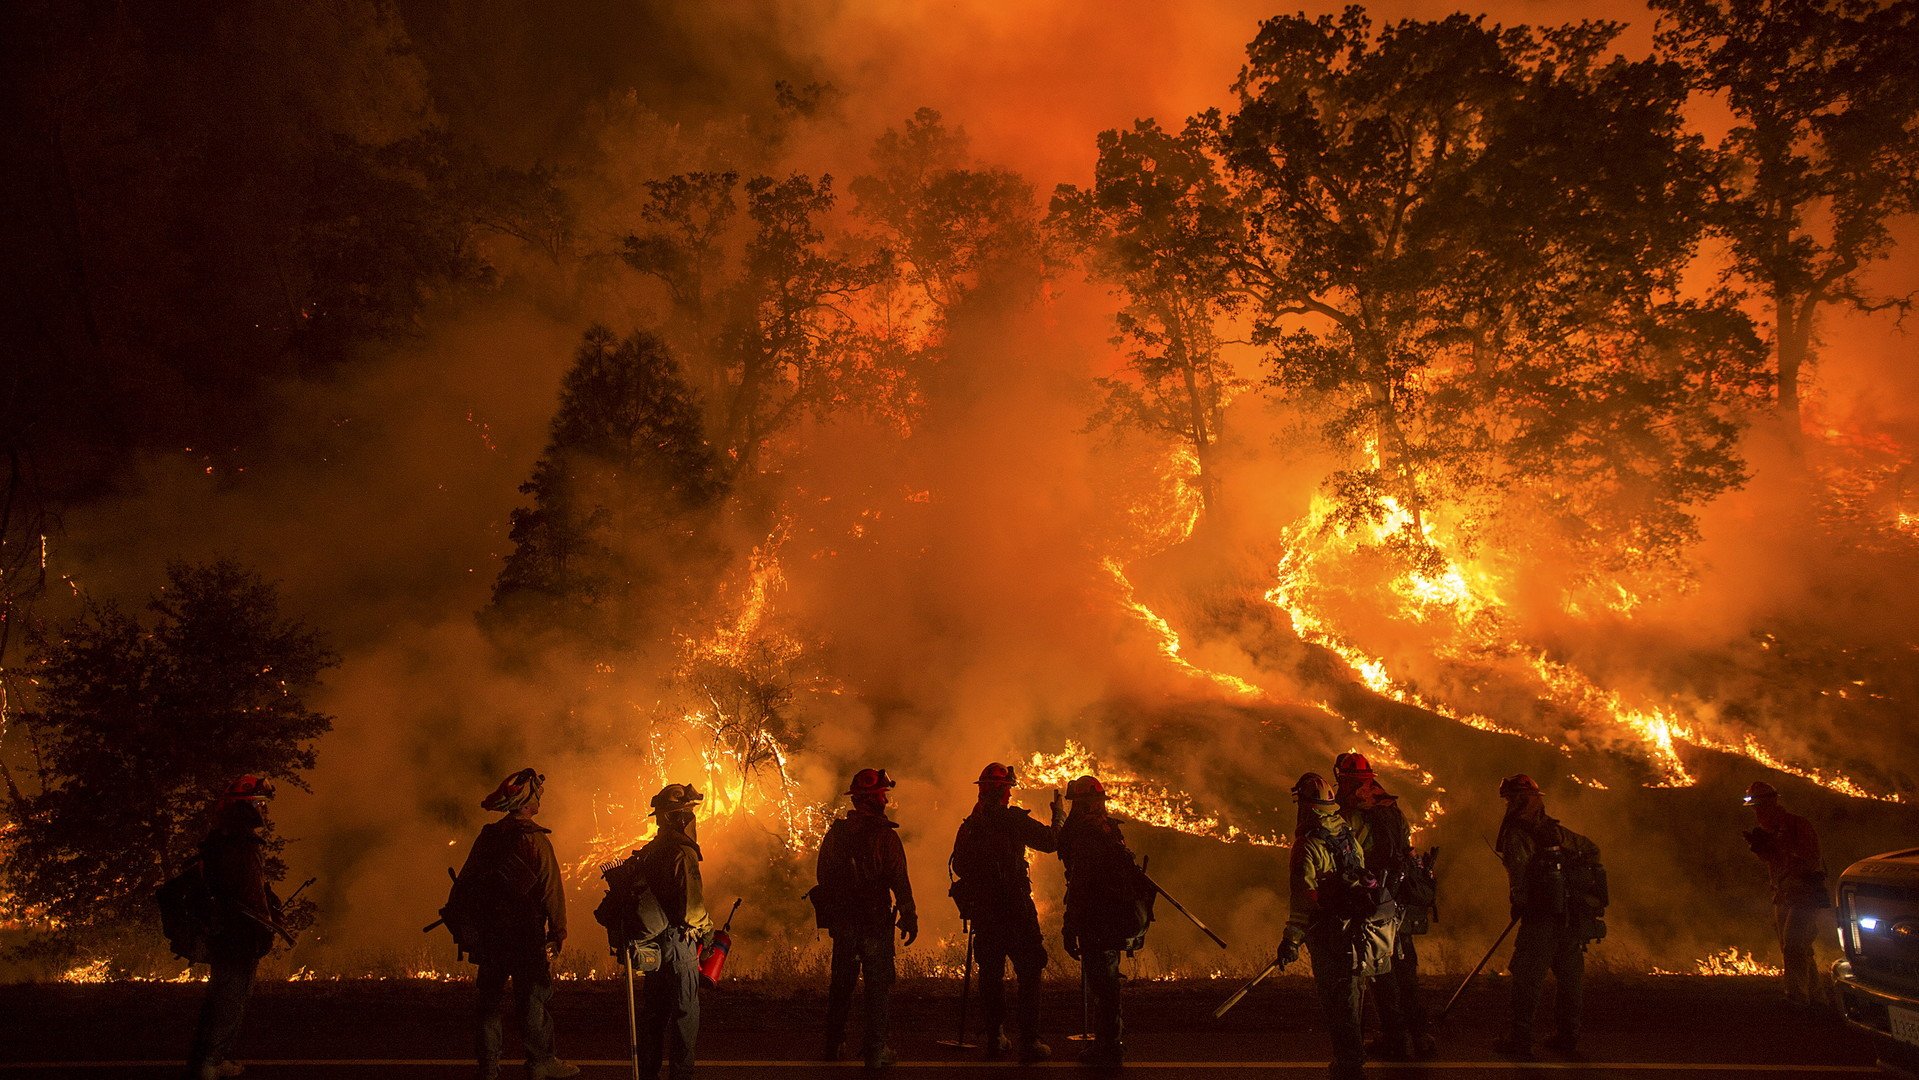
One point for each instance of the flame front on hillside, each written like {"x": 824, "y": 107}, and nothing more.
{"x": 1128, "y": 796}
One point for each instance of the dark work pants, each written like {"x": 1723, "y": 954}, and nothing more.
{"x": 1546, "y": 944}
{"x": 861, "y": 955}
{"x": 1405, "y": 980}
{"x": 221, "y": 1011}
{"x": 994, "y": 943}
{"x": 670, "y": 1009}
{"x": 532, "y": 992}
{"x": 1101, "y": 969}
{"x": 1339, "y": 1001}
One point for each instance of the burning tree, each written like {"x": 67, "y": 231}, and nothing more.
{"x": 1466, "y": 247}
{"x": 1822, "y": 156}
{"x": 137, "y": 724}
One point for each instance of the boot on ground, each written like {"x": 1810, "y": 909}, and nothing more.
{"x": 995, "y": 1044}
{"x": 552, "y": 1069}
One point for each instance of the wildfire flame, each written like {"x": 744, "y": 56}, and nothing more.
{"x": 1129, "y": 796}
{"x": 1729, "y": 962}
{"x": 1169, "y": 645}
{"x": 1467, "y": 601}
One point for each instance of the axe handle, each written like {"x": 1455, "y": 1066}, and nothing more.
{"x": 1240, "y": 994}
{"x": 1181, "y": 908}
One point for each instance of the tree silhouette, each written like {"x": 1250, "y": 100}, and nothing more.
{"x": 137, "y": 725}
{"x": 1823, "y": 154}
{"x": 948, "y": 221}
{"x": 761, "y": 306}
{"x": 1466, "y": 246}
{"x": 1161, "y": 226}
{"x": 619, "y": 496}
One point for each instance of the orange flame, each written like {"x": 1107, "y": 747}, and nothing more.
{"x": 1128, "y": 796}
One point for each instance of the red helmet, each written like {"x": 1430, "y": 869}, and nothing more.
{"x": 256, "y": 788}
{"x": 1085, "y": 787}
{"x": 1760, "y": 791}
{"x": 996, "y": 775}
{"x": 1518, "y": 784}
{"x": 1353, "y": 764}
{"x": 870, "y": 782}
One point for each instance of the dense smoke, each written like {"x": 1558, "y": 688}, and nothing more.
{"x": 961, "y": 594}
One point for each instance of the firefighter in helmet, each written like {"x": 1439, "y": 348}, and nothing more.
{"x": 1375, "y": 815}
{"x": 1106, "y": 910}
{"x": 1789, "y": 847}
{"x": 994, "y": 892}
{"x": 1328, "y": 857}
{"x": 862, "y": 896}
{"x": 669, "y": 1018}
{"x": 246, "y": 918}
{"x": 1558, "y": 892}
{"x": 520, "y": 921}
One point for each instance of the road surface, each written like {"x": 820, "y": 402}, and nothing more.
{"x": 1636, "y": 1028}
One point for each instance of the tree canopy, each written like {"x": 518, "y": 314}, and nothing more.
{"x": 137, "y": 725}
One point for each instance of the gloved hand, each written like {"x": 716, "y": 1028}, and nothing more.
{"x": 1519, "y": 912}
{"x": 1072, "y": 945}
{"x": 909, "y": 931}
{"x": 1059, "y": 807}
{"x": 1288, "y": 951}
{"x": 1759, "y": 840}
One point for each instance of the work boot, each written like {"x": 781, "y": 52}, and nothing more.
{"x": 1032, "y": 1051}
{"x": 229, "y": 1068}
{"x": 880, "y": 1057}
{"x": 832, "y": 1049}
{"x": 1564, "y": 1045}
{"x": 995, "y": 1043}
{"x": 1424, "y": 1045}
{"x": 1103, "y": 1056}
{"x": 552, "y": 1069}
{"x": 1515, "y": 1047}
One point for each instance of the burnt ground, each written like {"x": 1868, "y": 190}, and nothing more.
{"x": 1679, "y": 1026}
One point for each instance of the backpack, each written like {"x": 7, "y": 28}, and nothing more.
{"x": 1131, "y": 913}
{"x": 1588, "y": 895}
{"x": 978, "y": 880}
{"x": 1114, "y": 896}
{"x": 853, "y": 879}
{"x": 631, "y": 914}
{"x": 187, "y": 912}
{"x": 1368, "y": 919}
{"x": 1418, "y": 892}
{"x": 494, "y": 877}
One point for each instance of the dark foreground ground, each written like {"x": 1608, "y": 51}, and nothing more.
{"x": 1665, "y": 1027}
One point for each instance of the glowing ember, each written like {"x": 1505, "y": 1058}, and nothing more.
{"x": 1130, "y": 797}
{"x": 93, "y": 971}
{"x": 100, "y": 970}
